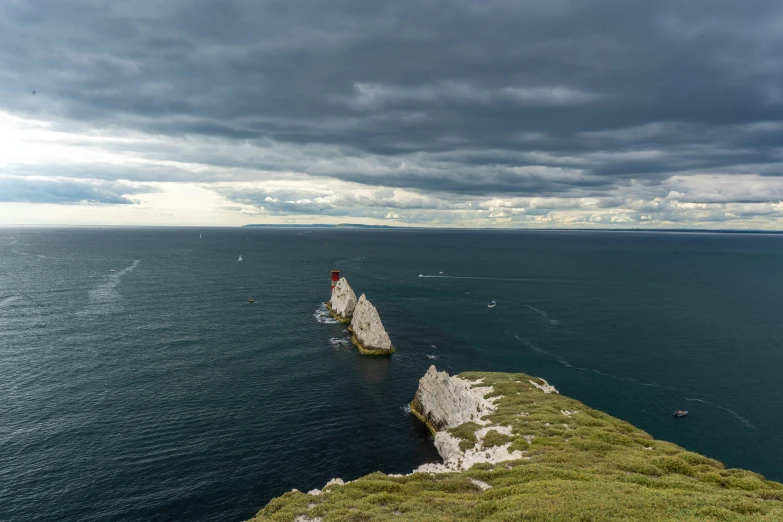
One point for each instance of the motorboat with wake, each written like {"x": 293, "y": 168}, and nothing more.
{"x": 492, "y": 304}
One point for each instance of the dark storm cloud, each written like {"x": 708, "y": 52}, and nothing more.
{"x": 492, "y": 97}
{"x": 66, "y": 191}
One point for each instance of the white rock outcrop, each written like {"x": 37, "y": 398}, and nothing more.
{"x": 335, "y": 482}
{"x": 455, "y": 459}
{"x": 369, "y": 335}
{"x": 446, "y": 402}
{"x": 343, "y": 301}
{"x": 545, "y": 387}
{"x": 480, "y": 484}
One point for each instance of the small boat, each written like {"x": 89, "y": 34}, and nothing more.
{"x": 240, "y": 257}
{"x": 441, "y": 273}
{"x": 492, "y": 304}
{"x": 199, "y": 236}
{"x": 251, "y": 300}
{"x": 421, "y": 275}
{"x": 681, "y": 413}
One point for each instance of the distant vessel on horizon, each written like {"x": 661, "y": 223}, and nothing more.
{"x": 240, "y": 257}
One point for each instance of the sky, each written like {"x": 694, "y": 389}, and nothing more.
{"x": 439, "y": 113}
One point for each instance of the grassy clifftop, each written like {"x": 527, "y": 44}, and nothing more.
{"x": 579, "y": 464}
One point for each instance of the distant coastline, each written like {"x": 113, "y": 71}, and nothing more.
{"x": 671, "y": 230}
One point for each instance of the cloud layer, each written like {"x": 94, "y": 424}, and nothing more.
{"x": 434, "y": 112}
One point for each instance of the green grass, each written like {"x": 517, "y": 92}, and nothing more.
{"x": 596, "y": 467}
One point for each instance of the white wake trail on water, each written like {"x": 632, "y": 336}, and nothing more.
{"x": 126, "y": 270}
{"x": 480, "y": 278}
{"x": 739, "y": 417}
{"x": 543, "y": 314}
{"x": 343, "y": 261}
{"x": 569, "y": 365}
{"x": 565, "y": 363}
{"x": 106, "y": 294}
{"x": 40, "y": 256}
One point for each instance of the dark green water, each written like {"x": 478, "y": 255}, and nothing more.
{"x": 156, "y": 392}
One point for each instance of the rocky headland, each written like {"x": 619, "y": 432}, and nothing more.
{"x": 513, "y": 448}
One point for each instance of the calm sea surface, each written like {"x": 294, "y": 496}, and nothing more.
{"x": 157, "y": 392}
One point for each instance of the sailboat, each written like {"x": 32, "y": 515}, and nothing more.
{"x": 240, "y": 257}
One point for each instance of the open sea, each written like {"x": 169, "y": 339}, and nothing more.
{"x": 157, "y": 392}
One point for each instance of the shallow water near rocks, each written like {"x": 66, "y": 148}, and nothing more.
{"x": 158, "y": 392}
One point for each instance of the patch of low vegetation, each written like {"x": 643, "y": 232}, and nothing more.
{"x": 581, "y": 464}
{"x": 466, "y": 433}
{"x": 493, "y": 438}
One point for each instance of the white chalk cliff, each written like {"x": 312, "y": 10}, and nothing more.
{"x": 445, "y": 402}
{"x": 343, "y": 301}
{"x": 369, "y": 335}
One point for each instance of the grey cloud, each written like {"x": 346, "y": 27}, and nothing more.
{"x": 450, "y": 98}
{"x": 67, "y": 191}
{"x": 372, "y": 202}
{"x": 377, "y": 96}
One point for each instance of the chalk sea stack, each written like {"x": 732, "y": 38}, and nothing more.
{"x": 343, "y": 301}
{"x": 369, "y": 335}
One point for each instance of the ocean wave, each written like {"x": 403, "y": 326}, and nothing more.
{"x": 406, "y": 408}
{"x": 543, "y": 314}
{"x": 7, "y": 300}
{"x": 431, "y": 356}
{"x": 340, "y": 342}
{"x": 323, "y": 316}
